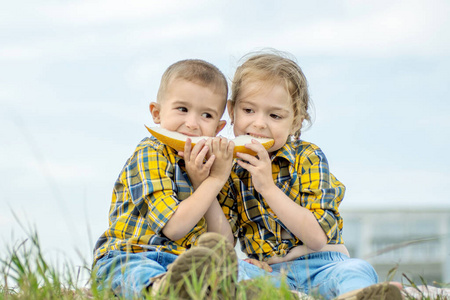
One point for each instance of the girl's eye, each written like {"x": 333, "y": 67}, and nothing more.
{"x": 276, "y": 117}
{"x": 206, "y": 115}
{"x": 182, "y": 109}
{"x": 248, "y": 110}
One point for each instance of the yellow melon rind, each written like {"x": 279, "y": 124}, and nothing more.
{"x": 177, "y": 140}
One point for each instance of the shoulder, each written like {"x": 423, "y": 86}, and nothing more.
{"x": 150, "y": 148}
{"x": 302, "y": 148}
{"x": 307, "y": 152}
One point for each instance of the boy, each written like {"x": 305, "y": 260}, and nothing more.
{"x": 162, "y": 203}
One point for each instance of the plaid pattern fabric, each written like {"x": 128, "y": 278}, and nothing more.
{"x": 301, "y": 171}
{"x": 146, "y": 194}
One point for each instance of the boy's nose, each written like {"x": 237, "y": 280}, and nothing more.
{"x": 191, "y": 122}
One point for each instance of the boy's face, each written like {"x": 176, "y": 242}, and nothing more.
{"x": 263, "y": 110}
{"x": 189, "y": 108}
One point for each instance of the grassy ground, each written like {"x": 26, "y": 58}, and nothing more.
{"x": 25, "y": 274}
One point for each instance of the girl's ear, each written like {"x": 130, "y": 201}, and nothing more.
{"x": 295, "y": 127}
{"x": 155, "y": 109}
{"x": 221, "y": 125}
{"x": 230, "y": 108}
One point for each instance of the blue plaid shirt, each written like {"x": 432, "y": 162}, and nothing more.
{"x": 301, "y": 171}
{"x": 146, "y": 194}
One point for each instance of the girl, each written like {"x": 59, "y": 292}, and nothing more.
{"x": 283, "y": 203}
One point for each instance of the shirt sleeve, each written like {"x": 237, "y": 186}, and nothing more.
{"x": 321, "y": 192}
{"x": 151, "y": 187}
{"x": 228, "y": 202}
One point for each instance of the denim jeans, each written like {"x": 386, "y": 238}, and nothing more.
{"x": 329, "y": 274}
{"x": 128, "y": 274}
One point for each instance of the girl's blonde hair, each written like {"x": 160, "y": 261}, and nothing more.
{"x": 276, "y": 68}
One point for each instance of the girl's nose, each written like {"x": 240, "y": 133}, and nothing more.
{"x": 260, "y": 122}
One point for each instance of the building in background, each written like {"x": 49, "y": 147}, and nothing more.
{"x": 416, "y": 241}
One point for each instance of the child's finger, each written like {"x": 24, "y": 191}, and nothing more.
{"x": 197, "y": 148}
{"x": 230, "y": 148}
{"x": 208, "y": 164}
{"x": 219, "y": 144}
{"x": 252, "y": 160}
{"x": 209, "y": 143}
{"x": 257, "y": 147}
{"x": 246, "y": 165}
{"x": 187, "y": 149}
{"x": 200, "y": 158}
{"x": 224, "y": 142}
{"x": 260, "y": 264}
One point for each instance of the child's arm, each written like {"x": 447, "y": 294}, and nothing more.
{"x": 198, "y": 170}
{"x": 193, "y": 208}
{"x": 215, "y": 218}
{"x": 300, "y": 220}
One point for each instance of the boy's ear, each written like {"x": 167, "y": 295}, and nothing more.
{"x": 155, "y": 109}
{"x": 230, "y": 109}
{"x": 221, "y": 125}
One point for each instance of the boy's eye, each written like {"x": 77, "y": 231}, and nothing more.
{"x": 206, "y": 115}
{"x": 182, "y": 109}
{"x": 247, "y": 110}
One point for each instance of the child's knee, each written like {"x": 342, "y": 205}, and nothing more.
{"x": 361, "y": 268}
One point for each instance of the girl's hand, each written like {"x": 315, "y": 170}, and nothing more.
{"x": 261, "y": 264}
{"x": 222, "y": 150}
{"x": 260, "y": 166}
{"x": 197, "y": 166}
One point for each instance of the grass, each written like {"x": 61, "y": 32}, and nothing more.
{"x": 26, "y": 274}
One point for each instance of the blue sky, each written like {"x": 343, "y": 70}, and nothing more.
{"x": 76, "y": 79}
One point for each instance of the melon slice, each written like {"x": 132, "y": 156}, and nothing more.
{"x": 177, "y": 140}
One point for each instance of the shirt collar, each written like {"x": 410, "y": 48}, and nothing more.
{"x": 286, "y": 152}
{"x": 173, "y": 154}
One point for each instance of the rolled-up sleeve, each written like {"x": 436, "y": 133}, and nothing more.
{"x": 321, "y": 193}
{"x": 228, "y": 201}
{"x": 151, "y": 187}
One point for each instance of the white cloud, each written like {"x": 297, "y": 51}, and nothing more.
{"x": 382, "y": 29}
{"x": 385, "y": 29}
{"x": 114, "y": 11}
{"x": 70, "y": 44}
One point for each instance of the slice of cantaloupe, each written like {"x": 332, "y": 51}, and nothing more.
{"x": 177, "y": 140}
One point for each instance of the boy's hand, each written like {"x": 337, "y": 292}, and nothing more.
{"x": 260, "y": 166}
{"x": 222, "y": 150}
{"x": 261, "y": 264}
{"x": 197, "y": 167}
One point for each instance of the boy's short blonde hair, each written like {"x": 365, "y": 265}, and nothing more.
{"x": 197, "y": 71}
{"x": 276, "y": 68}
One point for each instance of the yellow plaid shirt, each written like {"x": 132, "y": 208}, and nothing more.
{"x": 301, "y": 171}
{"x": 146, "y": 194}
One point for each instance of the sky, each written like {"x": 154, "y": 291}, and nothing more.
{"x": 76, "y": 79}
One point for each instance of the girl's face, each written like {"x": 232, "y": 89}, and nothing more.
{"x": 263, "y": 110}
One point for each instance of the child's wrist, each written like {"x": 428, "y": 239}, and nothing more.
{"x": 268, "y": 189}
{"x": 214, "y": 182}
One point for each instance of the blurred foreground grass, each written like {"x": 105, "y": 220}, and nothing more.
{"x": 26, "y": 274}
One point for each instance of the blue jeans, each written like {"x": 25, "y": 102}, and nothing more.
{"x": 129, "y": 274}
{"x": 329, "y": 274}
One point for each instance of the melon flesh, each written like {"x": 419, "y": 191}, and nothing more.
{"x": 177, "y": 140}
